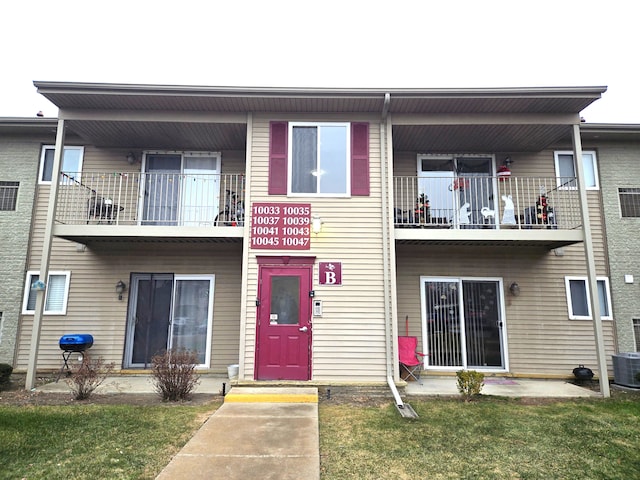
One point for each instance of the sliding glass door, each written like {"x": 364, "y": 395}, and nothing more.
{"x": 168, "y": 311}
{"x": 458, "y": 190}
{"x": 462, "y": 323}
{"x": 181, "y": 188}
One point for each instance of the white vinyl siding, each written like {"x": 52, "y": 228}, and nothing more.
{"x": 578, "y": 300}
{"x": 57, "y": 293}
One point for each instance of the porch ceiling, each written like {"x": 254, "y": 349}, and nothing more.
{"x": 476, "y": 138}
{"x": 161, "y": 135}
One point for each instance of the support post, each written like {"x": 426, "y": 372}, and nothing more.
{"x": 592, "y": 281}
{"x": 45, "y": 258}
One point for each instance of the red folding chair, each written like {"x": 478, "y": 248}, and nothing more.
{"x": 411, "y": 361}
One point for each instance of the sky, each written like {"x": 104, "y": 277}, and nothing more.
{"x": 328, "y": 43}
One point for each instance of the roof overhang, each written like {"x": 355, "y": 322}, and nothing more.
{"x": 27, "y": 126}
{"x": 166, "y": 116}
{"x": 606, "y": 132}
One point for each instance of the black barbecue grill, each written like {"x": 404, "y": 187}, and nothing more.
{"x": 70, "y": 344}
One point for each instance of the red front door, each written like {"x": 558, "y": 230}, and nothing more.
{"x": 283, "y": 348}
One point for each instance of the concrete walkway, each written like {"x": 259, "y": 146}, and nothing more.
{"x": 431, "y": 385}
{"x": 262, "y": 432}
{"x": 502, "y": 386}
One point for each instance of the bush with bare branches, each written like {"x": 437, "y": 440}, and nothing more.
{"x": 173, "y": 374}
{"x": 88, "y": 376}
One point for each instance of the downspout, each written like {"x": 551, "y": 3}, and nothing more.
{"x": 388, "y": 329}
{"x": 591, "y": 266}
{"x": 30, "y": 381}
{"x": 245, "y": 252}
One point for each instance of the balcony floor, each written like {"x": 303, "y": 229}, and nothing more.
{"x": 87, "y": 234}
{"x": 544, "y": 238}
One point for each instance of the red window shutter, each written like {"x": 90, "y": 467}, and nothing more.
{"x": 360, "y": 159}
{"x": 278, "y": 132}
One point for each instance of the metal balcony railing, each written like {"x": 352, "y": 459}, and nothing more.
{"x": 447, "y": 201}
{"x": 170, "y": 199}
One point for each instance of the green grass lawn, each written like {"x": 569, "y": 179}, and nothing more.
{"x": 94, "y": 441}
{"x": 491, "y": 438}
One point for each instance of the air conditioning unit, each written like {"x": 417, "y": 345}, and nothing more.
{"x": 625, "y": 368}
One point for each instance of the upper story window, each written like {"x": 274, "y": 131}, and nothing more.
{"x": 579, "y": 302}
{"x": 629, "y": 202}
{"x": 57, "y": 293}
{"x": 71, "y": 163}
{"x": 8, "y": 195}
{"x": 566, "y": 169}
{"x": 319, "y": 158}
{"x": 328, "y": 159}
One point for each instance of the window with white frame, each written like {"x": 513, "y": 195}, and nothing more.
{"x": 57, "y": 293}
{"x": 566, "y": 170}
{"x": 579, "y": 301}
{"x": 319, "y": 159}
{"x": 71, "y": 163}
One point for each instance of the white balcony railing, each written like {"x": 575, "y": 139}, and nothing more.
{"x": 486, "y": 202}
{"x": 190, "y": 200}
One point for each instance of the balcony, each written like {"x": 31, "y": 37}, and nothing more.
{"x": 94, "y": 206}
{"x": 485, "y": 210}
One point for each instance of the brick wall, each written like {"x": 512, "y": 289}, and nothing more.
{"x": 619, "y": 166}
{"x": 19, "y": 159}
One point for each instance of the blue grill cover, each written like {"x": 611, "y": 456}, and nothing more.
{"x": 76, "y": 343}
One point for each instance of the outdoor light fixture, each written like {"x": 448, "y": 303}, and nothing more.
{"x": 514, "y": 288}
{"x": 120, "y": 287}
{"x": 131, "y": 158}
{"x": 316, "y": 223}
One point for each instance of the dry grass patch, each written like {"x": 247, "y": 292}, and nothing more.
{"x": 491, "y": 438}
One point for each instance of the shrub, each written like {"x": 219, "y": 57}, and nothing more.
{"x": 5, "y": 374}
{"x": 88, "y": 376}
{"x": 173, "y": 374}
{"x": 470, "y": 383}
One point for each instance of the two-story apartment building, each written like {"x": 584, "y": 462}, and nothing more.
{"x": 298, "y": 232}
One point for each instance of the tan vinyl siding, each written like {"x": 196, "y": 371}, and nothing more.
{"x": 541, "y": 338}
{"x": 93, "y": 306}
{"x": 349, "y": 339}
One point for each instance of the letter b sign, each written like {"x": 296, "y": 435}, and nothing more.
{"x": 330, "y": 273}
